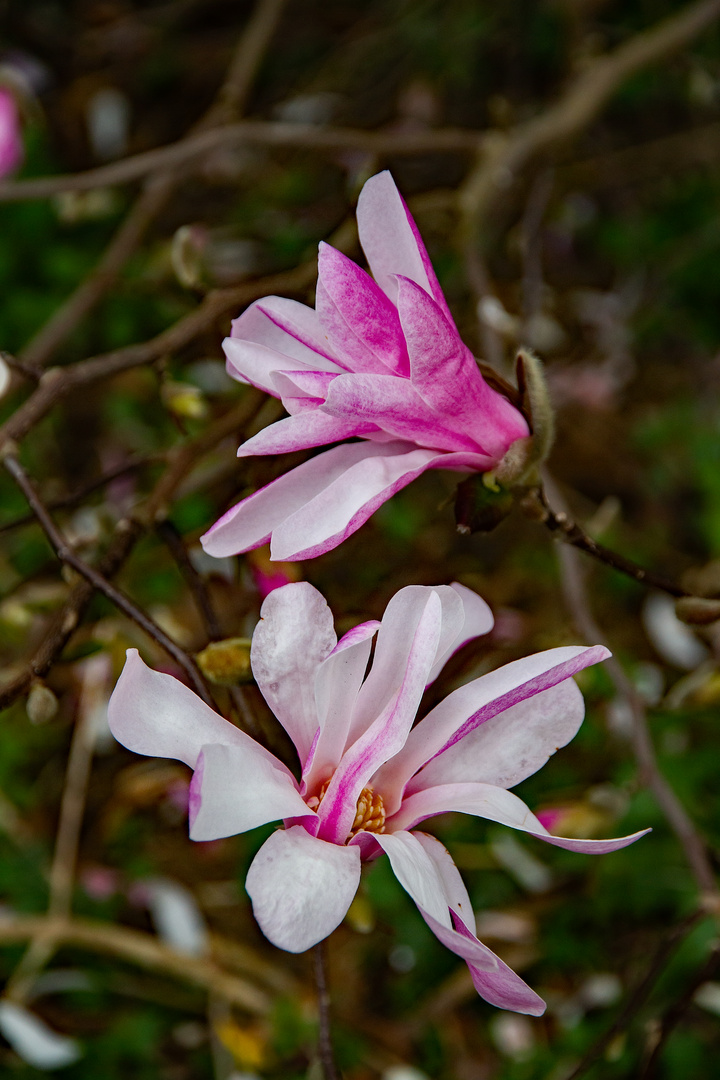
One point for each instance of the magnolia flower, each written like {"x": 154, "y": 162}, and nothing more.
{"x": 368, "y": 776}
{"x": 380, "y": 360}
{"x": 11, "y": 145}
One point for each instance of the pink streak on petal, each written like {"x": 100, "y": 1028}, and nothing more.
{"x": 11, "y": 144}
{"x": 301, "y": 887}
{"x": 361, "y": 324}
{"x": 300, "y": 432}
{"x": 467, "y": 708}
{"x": 195, "y": 792}
{"x": 295, "y": 634}
{"x": 387, "y": 734}
{"x": 395, "y": 406}
{"x": 289, "y": 328}
{"x": 494, "y": 804}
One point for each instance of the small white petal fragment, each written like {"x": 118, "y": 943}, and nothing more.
{"x": 673, "y": 640}
{"x": 176, "y": 916}
{"x": 4, "y": 377}
{"x": 35, "y": 1042}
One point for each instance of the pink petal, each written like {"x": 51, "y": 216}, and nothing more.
{"x": 337, "y": 683}
{"x": 512, "y": 745}
{"x": 233, "y": 791}
{"x": 385, "y": 735}
{"x": 479, "y": 701}
{"x": 444, "y": 373}
{"x": 391, "y": 240}
{"x": 361, "y": 324}
{"x": 301, "y": 887}
{"x": 495, "y": 804}
{"x": 456, "y": 895}
{"x": 294, "y": 635}
{"x": 314, "y": 428}
{"x": 152, "y": 713}
{"x": 500, "y": 986}
{"x": 286, "y": 327}
{"x": 316, "y": 506}
{"x": 11, "y": 143}
{"x": 394, "y": 405}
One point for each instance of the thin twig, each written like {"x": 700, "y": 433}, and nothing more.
{"x": 325, "y": 1049}
{"x": 637, "y": 998}
{"x": 505, "y": 154}
{"x": 139, "y": 948}
{"x": 66, "y": 554}
{"x": 578, "y": 603}
{"x": 531, "y": 228}
{"x": 536, "y": 506}
{"x": 173, "y": 541}
{"x": 156, "y": 192}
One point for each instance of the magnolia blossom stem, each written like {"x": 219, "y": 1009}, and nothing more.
{"x": 325, "y": 1049}
{"x": 536, "y": 506}
{"x": 66, "y": 554}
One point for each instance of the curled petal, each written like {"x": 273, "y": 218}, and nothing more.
{"x": 299, "y": 432}
{"x": 294, "y": 635}
{"x": 286, "y": 327}
{"x": 477, "y": 619}
{"x": 301, "y": 887}
{"x": 233, "y": 791}
{"x": 154, "y": 714}
{"x": 495, "y": 804}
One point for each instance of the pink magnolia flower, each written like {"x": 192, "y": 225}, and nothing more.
{"x": 11, "y": 144}
{"x": 368, "y": 776}
{"x": 379, "y": 360}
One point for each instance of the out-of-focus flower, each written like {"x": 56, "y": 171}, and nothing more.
{"x": 368, "y": 775}
{"x": 11, "y": 144}
{"x": 380, "y": 360}
{"x": 268, "y": 575}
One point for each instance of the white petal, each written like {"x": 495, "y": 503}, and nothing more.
{"x": 34, "y": 1041}
{"x": 417, "y": 872}
{"x": 455, "y": 892}
{"x": 233, "y": 791}
{"x": 301, "y": 887}
{"x": 294, "y": 635}
{"x": 153, "y": 713}
{"x": 478, "y": 620}
{"x": 511, "y": 746}
{"x": 176, "y": 915}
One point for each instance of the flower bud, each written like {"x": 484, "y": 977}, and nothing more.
{"x": 184, "y": 399}
{"x": 226, "y": 663}
{"x": 41, "y": 705}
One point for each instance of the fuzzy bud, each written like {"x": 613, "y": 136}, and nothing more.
{"x": 525, "y": 456}
{"x": 41, "y": 705}
{"x": 226, "y": 663}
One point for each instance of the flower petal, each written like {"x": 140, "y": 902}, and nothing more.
{"x": 391, "y": 240}
{"x": 233, "y": 791}
{"x": 394, "y": 405}
{"x": 512, "y": 745}
{"x": 305, "y": 429}
{"x": 361, "y": 324}
{"x": 337, "y": 683}
{"x": 286, "y": 327}
{"x": 301, "y": 887}
{"x": 499, "y": 986}
{"x": 456, "y": 895}
{"x": 480, "y": 700}
{"x": 386, "y": 734}
{"x": 445, "y": 374}
{"x": 294, "y": 635}
{"x": 495, "y": 804}
{"x": 154, "y": 714}
{"x": 477, "y": 620}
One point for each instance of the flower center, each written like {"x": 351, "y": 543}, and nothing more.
{"x": 369, "y": 813}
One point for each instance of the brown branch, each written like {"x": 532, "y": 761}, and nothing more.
{"x": 67, "y": 555}
{"x": 536, "y": 506}
{"x": 57, "y": 383}
{"x": 503, "y": 156}
{"x": 139, "y": 948}
{"x": 156, "y": 192}
{"x": 325, "y": 1047}
{"x": 174, "y": 543}
{"x": 692, "y": 844}
{"x": 127, "y": 531}
{"x": 194, "y": 148}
